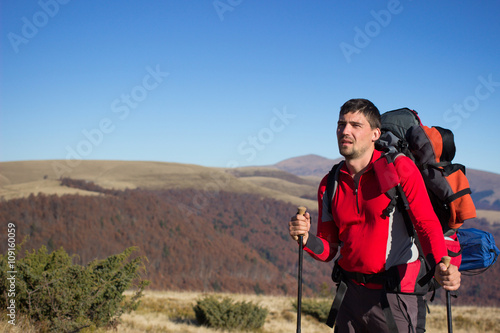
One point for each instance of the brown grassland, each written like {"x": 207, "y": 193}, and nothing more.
{"x": 170, "y": 311}
{"x": 20, "y": 179}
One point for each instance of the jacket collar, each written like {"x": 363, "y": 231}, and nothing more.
{"x": 375, "y": 156}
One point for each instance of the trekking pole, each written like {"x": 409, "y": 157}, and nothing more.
{"x": 446, "y": 261}
{"x": 300, "y": 211}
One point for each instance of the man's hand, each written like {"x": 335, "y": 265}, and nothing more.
{"x": 300, "y": 225}
{"x": 448, "y": 278}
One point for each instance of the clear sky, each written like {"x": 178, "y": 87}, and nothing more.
{"x": 237, "y": 82}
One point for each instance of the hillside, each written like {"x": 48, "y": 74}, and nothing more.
{"x": 20, "y": 179}
{"x": 230, "y": 242}
{"x": 227, "y": 235}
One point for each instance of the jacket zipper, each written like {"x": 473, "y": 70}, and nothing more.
{"x": 356, "y": 184}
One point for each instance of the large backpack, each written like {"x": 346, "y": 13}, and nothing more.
{"x": 432, "y": 149}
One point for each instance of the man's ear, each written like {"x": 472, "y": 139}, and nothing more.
{"x": 376, "y": 134}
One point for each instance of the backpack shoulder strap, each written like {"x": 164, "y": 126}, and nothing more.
{"x": 332, "y": 183}
{"x": 396, "y": 193}
{"x": 404, "y": 207}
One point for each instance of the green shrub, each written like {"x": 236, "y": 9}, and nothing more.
{"x": 318, "y": 309}
{"x": 226, "y": 314}
{"x": 57, "y": 295}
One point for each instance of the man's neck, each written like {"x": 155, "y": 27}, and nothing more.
{"x": 357, "y": 166}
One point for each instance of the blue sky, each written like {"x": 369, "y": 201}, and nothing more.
{"x": 238, "y": 82}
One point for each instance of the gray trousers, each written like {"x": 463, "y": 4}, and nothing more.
{"x": 361, "y": 311}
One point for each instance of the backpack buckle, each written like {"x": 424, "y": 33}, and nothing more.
{"x": 336, "y": 273}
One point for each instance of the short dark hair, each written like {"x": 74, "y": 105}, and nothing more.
{"x": 367, "y": 108}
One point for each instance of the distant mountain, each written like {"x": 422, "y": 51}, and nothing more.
{"x": 308, "y": 165}
{"x": 485, "y": 188}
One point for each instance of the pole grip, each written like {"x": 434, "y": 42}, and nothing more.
{"x": 446, "y": 260}
{"x": 301, "y": 210}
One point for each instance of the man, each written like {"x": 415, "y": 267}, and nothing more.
{"x": 372, "y": 244}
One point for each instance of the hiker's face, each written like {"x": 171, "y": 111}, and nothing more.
{"x": 355, "y": 136}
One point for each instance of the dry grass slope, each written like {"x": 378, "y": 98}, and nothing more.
{"x": 172, "y": 312}
{"x": 492, "y": 216}
{"x": 20, "y": 179}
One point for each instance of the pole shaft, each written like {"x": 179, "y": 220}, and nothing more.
{"x": 299, "y": 289}
{"x": 448, "y": 312}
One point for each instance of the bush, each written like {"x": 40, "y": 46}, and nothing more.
{"x": 57, "y": 295}
{"x": 318, "y": 309}
{"x": 227, "y": 314}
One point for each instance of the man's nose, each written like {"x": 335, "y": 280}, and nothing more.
{"x": 345, "y": 130}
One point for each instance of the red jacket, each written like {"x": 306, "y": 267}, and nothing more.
{"x": 369, "y": 241}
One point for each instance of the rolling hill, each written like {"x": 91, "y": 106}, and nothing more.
{"x": 20, "y": 179}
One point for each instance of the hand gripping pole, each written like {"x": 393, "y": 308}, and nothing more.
{"x": 446, "y": 260}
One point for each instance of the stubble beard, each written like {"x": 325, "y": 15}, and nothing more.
{"x": 351, "y": 153}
